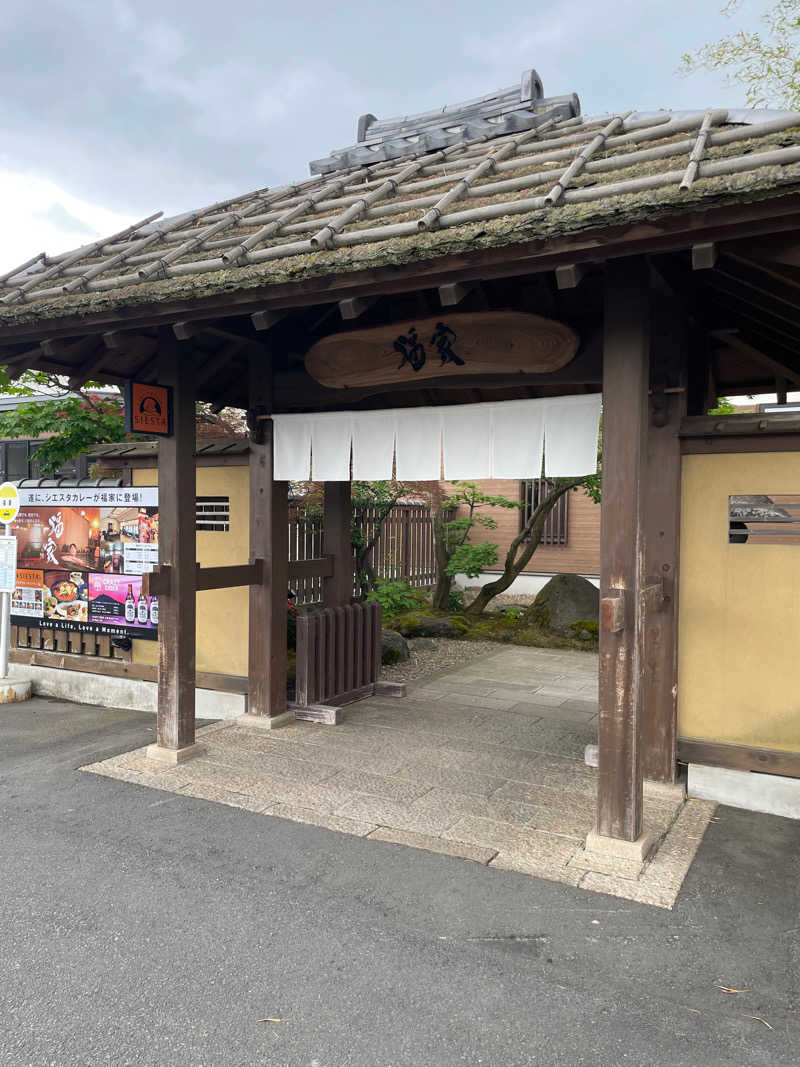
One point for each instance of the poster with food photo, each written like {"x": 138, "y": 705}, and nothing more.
{"x": 70, "y": 538}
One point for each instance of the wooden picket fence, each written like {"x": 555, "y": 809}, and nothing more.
{"x": 404, "y": 550}
{"x": 338, "y": 658}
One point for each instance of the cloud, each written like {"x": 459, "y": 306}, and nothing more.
{"x": 47, "y": 218}
{"x": 131, "y": 106}
{"x": 64, "y": 222}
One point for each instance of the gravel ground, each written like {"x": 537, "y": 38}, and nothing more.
{"x": 504, "y": 600}
{"x": 433, "y": 655}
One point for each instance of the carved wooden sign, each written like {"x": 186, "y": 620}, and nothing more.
{"x": 482, "y": 342}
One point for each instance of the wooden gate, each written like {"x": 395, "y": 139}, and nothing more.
{"x": 338, "y": 659}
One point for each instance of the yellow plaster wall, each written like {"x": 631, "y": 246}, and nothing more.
{"x": 739, "y": 631}
{"x": 221, "y": 613}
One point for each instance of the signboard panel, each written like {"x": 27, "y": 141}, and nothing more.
{"x": 80, "y": 557}
{"x": 148, "y": 408}
{"x": 8, "y": 564}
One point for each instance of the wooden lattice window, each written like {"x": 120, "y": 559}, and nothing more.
{"x": 556, "y": 525}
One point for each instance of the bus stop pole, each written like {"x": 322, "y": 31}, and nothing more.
{"x": 5, "y": 620}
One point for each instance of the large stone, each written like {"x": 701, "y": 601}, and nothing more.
{"x": 394, "y": 647}
{"x": 565, "y": 600}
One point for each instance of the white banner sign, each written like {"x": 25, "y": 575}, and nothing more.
{"x": 90, "y": 496}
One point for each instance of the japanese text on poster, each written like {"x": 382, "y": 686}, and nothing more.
{"x": 81, "y": 554}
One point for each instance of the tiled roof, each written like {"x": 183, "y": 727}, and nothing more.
{"x": 559, "y": 175}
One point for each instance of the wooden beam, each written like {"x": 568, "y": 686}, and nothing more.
{"x": 739, "y": 757}
{"x": 740, "y": 425}
{"x": 355, "y": 306}
{"x": 269, "y": 541}
{"x": 662, "y": 510}
{"x": 734, "y": 341}
{"x": 265, "y": 320}
{"x": 117, "y": 339}
{"x": 185, "y": 330}
{"x": 159, "y": 583}
{"x": 87, "y": 371}
{"x": 212, "y": 366}
{"x": 662, "y": 500}
{"x": 622, "y": 555}
{"x": 570, "y": 275}
{"x": 118, "y": 668}
{"x": 453, "y": 293}
{"x": 177, "y": 551}
{"x": 337, "y": 589}
{"x": 704, "y": 255}
{"x": 311, "y": 568}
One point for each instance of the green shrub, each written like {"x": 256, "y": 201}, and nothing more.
{"x": 394, "y": 597}
{"x": 456, "y": 600}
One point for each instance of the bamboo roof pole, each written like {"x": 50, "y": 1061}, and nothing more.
{"x": 287, "y": 191}
{"x": 272, "y": 228}
{"x": 19, "y": 295}
{"x": 370, "y": 179}
{"x": 134, "y": 256}
{"x": 133, "y": 249}
{"x": 23, "y": 266}
{"x": 323, "y": 238}
{"x": 751, "y": 161}
{"x": 615, "y": 162}
{"x": 698, "y": 151}
{"x": 619, "y": 161}
{"x": 583, "y": 157}
{"x": 486, "y": 166}
{"x": 112, "y": 245}
{"x": 198, "y": 241}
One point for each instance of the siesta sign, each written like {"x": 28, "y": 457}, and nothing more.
{"x": 470, "y": 343}
{"x": 148, "y": 408}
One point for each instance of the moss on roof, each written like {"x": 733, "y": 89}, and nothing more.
{"x": 565, "y": 219}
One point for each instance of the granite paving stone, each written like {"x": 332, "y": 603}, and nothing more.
{"x": 484, "y": 763}
{"x": 508, "y": 861}
{"x": 546, "y": 850}
{"x": 458, "y": 780}
{"x": 433, "y": 844}
{"x": 385, "y": 812}
{"x": 379, "y": 785}
{"x": 338, "y": 823}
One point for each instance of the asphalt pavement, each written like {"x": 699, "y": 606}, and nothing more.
{"x": 139, "y": 927}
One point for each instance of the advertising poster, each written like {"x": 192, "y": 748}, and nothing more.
{"x": 80, "y": 557}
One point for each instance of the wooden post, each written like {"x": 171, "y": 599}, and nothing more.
{"x": 337, "y": 591}
{"x": 269, "y": 541}
{"x": 668, "y": 359}
{"x": 177, "y": 557}
{"x": 622, "y": 555}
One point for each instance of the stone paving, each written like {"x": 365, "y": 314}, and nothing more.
{"x": 484, "y": 763}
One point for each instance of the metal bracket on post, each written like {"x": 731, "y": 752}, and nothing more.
{"x": 653, "y": 594}
{"x": 612, "y": 612}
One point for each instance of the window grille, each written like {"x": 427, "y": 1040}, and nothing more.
{"x": 213, "y": 514}
{"x": 555, "y": 526}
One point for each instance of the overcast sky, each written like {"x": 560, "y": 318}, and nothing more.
{"x": 114, "y": 109}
